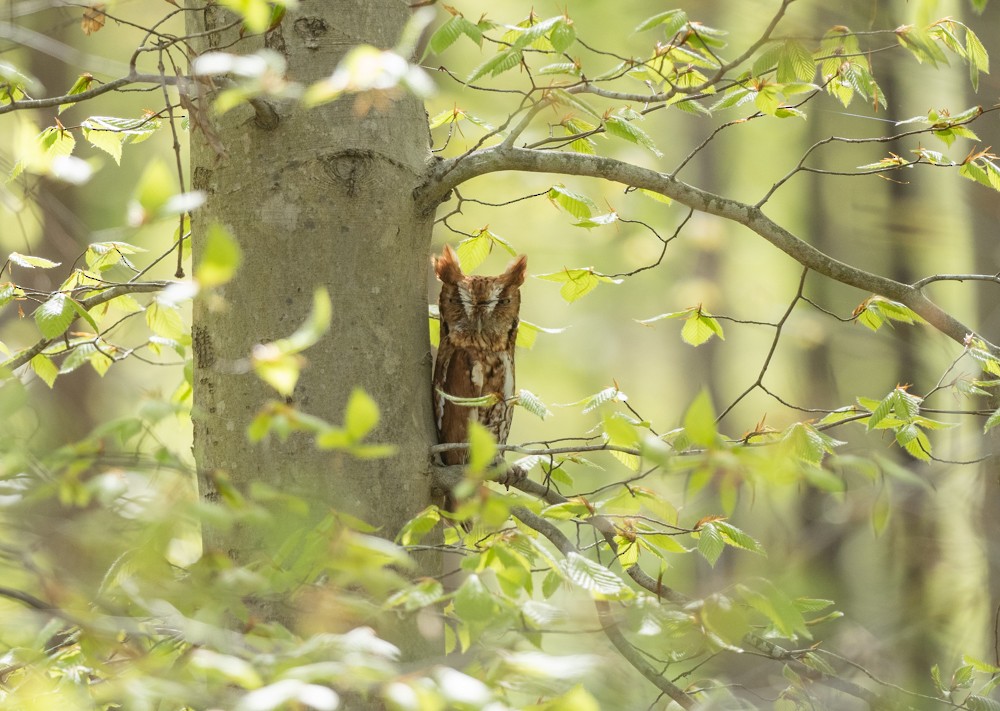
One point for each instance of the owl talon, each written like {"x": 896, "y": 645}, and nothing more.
{"x": 513, "y": 476}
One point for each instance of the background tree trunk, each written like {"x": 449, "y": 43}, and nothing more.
{"x": 323, "y": 199}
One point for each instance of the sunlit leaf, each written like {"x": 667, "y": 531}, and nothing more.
{"x": 593, "y": 577}
{"x": 82, "y": 84}
{"x": 361, "y": 414}
{"x": 482, "y": 447}
{"x": 44, "y": 368}
{"x": 699, "y": 420}
{"x": 220, "y": 257}
{"x": 579, "y": 206}
{"x": 30, "y": 262}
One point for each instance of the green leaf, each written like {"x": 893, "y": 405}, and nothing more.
{"x": 592, "y": 402}
{"x": 699, "y": 421}
{"x": 593, "y": 577}
{"x": 737, "y": 538}
{"x": 487, "y": 400}
{"x": 530, "y": 402}
{"x": 579, "y": 206}
{"x": 164, "y": 320}
{"x": 154, "y": 189}
{"x": 572, "y": 124}
{"x": 29, "y": 262}
{"x": 361, "y": 414}
{"x": 474, "y": 250}
{"x": 445, "y": 35}
{"x": 482, "y": 448}
{"x": 473, "y": 602}
{"x": 527, "y": 333}
{"x": 279, "y": 364}
{"x": 416, "y": 528}
{"x": 82, "y": 313}
{"x": 562, "y": 34}
{"x": 256, "y": 14}
{"x": 981, "y": 703}
{"x": 8, "y": 292}
{"x": 313, "y": 328}
{"x": 104, "y": 255}
{"x": 767, "y": 60}
{"x": 710, "y": 543}
{"x": 220, "y": 257}
{"x": 597, "y": 220}
{"x": 992, "y": 421}
{"x": 567, "y": 510}
{"x": 807, "y": 444}
{"x": 81, "y": 85}
{"x": 979, "y": 59}
{"x": 44, "y": 368}
{"x": 559, "y": 68}
{"x": 672, "y": 19}
{"x": 767, "y": 599}
{"x": 107, "y": 141}
{"x": 55, "y": 315}
{"x": 577, "y": 283}
{"x": 795, "y": 63}
{"x": 16, "y": 82}
{"x": 768, "y": 99}
{"x": 498, "y": 64}
{"x": 630, "y": 132}
{"x": 700, "y": 327}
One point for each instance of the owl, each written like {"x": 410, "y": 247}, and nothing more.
{"x": 479, "y": 319}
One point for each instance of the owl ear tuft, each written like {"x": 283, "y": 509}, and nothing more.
{"x": 514, "y": 276}
{"x": 446, "y": 266}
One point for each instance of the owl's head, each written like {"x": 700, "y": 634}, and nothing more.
{"x": 486, "y": 305}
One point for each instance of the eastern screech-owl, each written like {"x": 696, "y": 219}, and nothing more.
{"x": 479, "y": 318}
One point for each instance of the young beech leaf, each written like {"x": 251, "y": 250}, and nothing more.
{"x": 579, "y": 206}
{"x": 577, "y": 283}
{"x": 473, "y": 251}
{"x": 416, "y": 528}
{"x": 44, "y": 368}
{"x": 527, "y": 333}
{"x": 55, "y": 315}
{"x": 220, "y": 258}
{"x": 531, "y": 402}
{"x": 81, "y": 85}
{"x": 361, "y": 414}
{"x": 482, "y": 448}
{"x": 600, "y": 582}
{"x": 164, "y": 320}
{"x": 710, "y": 543}
{"x": 621, "y": 128}
{"x": 763, "y": 596}
{"x": 29, "y": 262}
{"x": 699, "y": 421}
{"x": 673, "y": 20}
{"x": 737, "y": 538}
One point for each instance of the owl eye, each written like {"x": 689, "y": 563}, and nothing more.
{"x": 455, "y": 300}
{"x": 504, "y": 301}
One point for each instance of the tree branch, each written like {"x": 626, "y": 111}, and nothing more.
{"x": 605, "y": 614}
{"x": 447, "y": 478}
{"x": 107, "y": 294}
{"x": 90, "y": 93}
{"x": 448, "y": 174}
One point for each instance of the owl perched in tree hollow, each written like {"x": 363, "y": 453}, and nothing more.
{"x": 479, "y": 318}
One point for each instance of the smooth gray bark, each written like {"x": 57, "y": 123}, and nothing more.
{"x": 317, "y": 197}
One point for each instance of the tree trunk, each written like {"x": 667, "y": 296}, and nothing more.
{"x": 321, "y": 199}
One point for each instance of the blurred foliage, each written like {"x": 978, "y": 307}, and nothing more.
{"x": 110, "y": 601}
